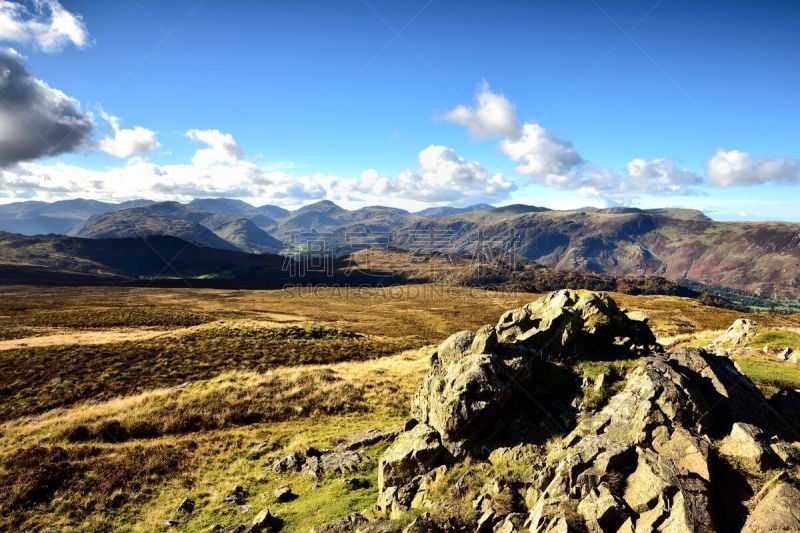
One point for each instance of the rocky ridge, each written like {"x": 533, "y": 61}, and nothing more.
{"x": 682, "y": 441}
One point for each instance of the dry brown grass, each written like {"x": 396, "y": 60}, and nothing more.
{"x": 113, "y": 436}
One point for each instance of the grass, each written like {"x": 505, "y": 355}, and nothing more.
{"x": 777, "y": 338}
{"x": 33, "y": 383}
{"x": 770, "y": 375}
{"x": 113, "y": 436}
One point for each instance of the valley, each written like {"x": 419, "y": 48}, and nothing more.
{"x": 760, "y": 259}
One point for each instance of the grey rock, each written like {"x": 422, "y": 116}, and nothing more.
{"x": 186, "y": 506}
{"x": 413, "y": 453}
{"x": 284, "y": 494}
{"x": 778, "y": 510}
{"x": 288, "y": 463}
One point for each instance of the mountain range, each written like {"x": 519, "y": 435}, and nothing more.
{"x": 762, "y": 258}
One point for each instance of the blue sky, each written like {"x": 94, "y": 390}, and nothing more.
{"x": 294, "y": 101}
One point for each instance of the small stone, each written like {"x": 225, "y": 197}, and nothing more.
{"x": 186, "y": 506}
{"x": 266, "y": 521}
{"x": 237, "y": 496}
{"x": 171, "y": 523}
{"x": 600, "y": 382}
{"x": 284, "y": 494}
{"x": 356, "y": 483}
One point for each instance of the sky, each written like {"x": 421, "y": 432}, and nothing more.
{"x": 411, "y": 104}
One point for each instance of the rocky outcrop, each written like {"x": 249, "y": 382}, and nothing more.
{"x": 779, "y": 510}
{"x": 680, "y": 443}
{"x": 737, "y": 335}
{"x": 474, "y": 376}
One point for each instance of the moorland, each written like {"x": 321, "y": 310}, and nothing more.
{"x": 119, "y": 403}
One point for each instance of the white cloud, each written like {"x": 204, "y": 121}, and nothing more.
{"x": 222, "y": 148}
{"x": 660, "y": 176}
{"x": 728, "y": 168}
{"x": 492, "y": 116}
{"x": 554, "y": 162}
{"x": 47, "y": 25}
{"x": 127, "y": 142}
{"x": 540, "y": 152}
{"x": 442, "y": 176}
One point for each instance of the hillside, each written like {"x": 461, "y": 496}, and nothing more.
{"x": 121, "y": 405}
{"x": 681, "y": 245}
{"x": 131, "y": 223}
{"x": 763, "y": 258}
{"x": 215, "y": 230}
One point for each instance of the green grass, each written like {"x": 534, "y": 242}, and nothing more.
{"x": 771, "y": 375}
{"x": 777, "y": 338}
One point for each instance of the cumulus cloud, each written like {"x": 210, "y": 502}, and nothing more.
{"x": 492, "y": 115}
{"x": 549, "y": 160}
{"x": 127, "y": 142}
{"x": 222, "y": 148}
{"x": 540, "y": 152}
{"x": 442, "y": 176}
{"x": 36, "y": 120}
{"x": 728, "y": 168}
{"x": 660, "y": 176}
{"x": 46, "y": 25}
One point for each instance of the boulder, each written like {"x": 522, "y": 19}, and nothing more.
{"x": 778, "y": 510}
{"x": 646, "y": 460}
{"x": 738, "y": 334}
{"x": 569, "y": 323}
{"x": 291, "y": 462}
{"x": 266, "y": 522}
{"x": 412, "y": 454}
{"x": 475, "y": 377}
{"x": 238, "y": 496}
{"x": 284, "y": 494}
{"x": 746, "y": 443}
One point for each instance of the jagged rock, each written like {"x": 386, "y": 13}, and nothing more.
{"x": 339, "y": 461}
{"x": 284, "y": 494}
{"x": 186, "y": 506}
{"x": 266, "y": 522}
{"x": 784, "y": 354}
{"x": 569, "y": 323}
{"x": 738, "y": 334}
{"x": 413, "y": 453}
{"x": 341, "y": 525}
{"x": 421, "y": 498}
{"x": 648, "y": 460}
{"x": 237, "y": 496}
{"x": 485, "y": 522}
{"x": 422, "y": 524}
{"x": 746, "y": 443}
{"x": 601, "y": 509}
{"x": 666, "y": 477}
{"x": 778, "y": 510}
{"x": 394, "y": 501}
{"x": 794, "y": 357}
{"x": 291, "y": 462}
{"x": 454, "y": 347}
{"x": 368, "y": 438}
{"x": 512, "y": 523}
{"x": 474, "y": 376}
